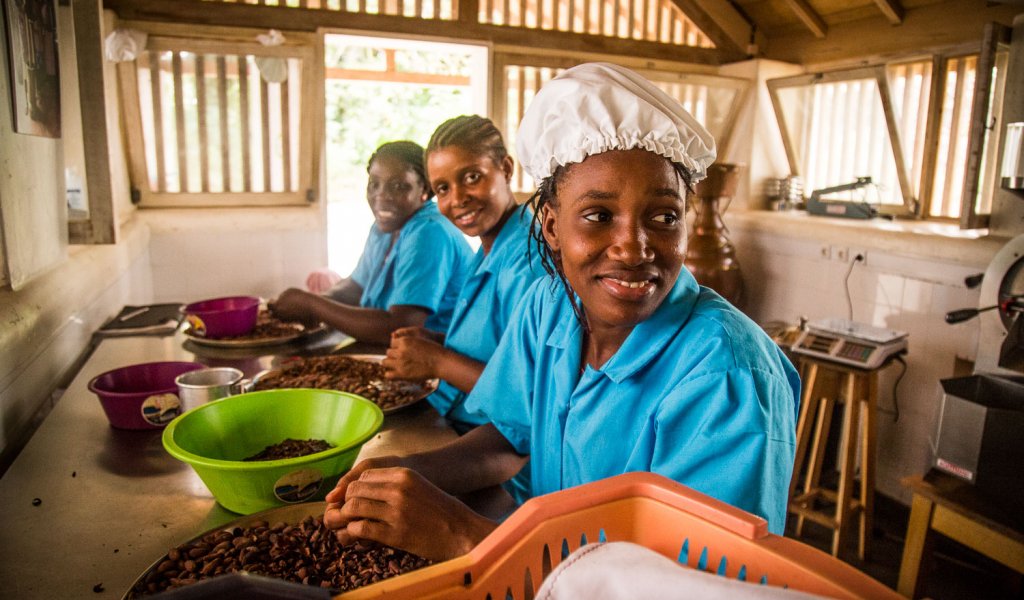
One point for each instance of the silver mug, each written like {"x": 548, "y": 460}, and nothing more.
{"x": 206, "y": 385}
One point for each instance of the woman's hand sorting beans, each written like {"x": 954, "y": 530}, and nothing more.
{"x": 397, "y": 506}
{"x": 412, "y": 357}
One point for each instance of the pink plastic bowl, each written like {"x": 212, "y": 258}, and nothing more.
{"x": 223, "y": 317}
{"x": 142, "y": 396}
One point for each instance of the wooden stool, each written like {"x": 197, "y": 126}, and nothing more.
{"x": 858, "y": 391}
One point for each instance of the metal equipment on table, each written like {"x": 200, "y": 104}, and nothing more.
{"x": 785, "y": 193}
{"x": 975, "y": 490}
{"x": 841, "y": 208}
{"x": 981, "y": 418}
{"x": 849, "y": 342}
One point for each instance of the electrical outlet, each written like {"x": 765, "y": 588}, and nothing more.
{"x": 847, "y": 255}
{"x": 825, "y": 252}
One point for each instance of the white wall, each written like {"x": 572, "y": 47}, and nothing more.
{"x": 756, "y": 142}
{"x": 161, "y": 256}
{"x": 48, "y": 324}
{"x": 914, "y": 274}
{"x": 197, "y": 254}
{"x": 910, "y": 280}
{"x": 33, "y": 211}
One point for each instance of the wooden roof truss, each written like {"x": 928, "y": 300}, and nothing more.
{"x": 639, "y": 28}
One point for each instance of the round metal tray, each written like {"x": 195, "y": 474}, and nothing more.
{"x": 291, "y": 514}
{"x": 253, "y": 342}
{"x": 418, "y": 391}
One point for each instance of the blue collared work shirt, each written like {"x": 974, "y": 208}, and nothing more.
{"x": 498, "y": 282}
{"x": 697, "y": 393}
{"x": 426, "y": 267}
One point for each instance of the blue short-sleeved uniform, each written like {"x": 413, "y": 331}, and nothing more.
{"x": 427, "y": 266}
{"x": 498, "y": 281}
{"x": 697, "y": 393}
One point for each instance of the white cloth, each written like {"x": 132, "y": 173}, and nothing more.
{"x": 596, "y": 107}
{"x": 273, "y": 69}
{"x": 124, "y": 44}
{"x": 624, "y": 570}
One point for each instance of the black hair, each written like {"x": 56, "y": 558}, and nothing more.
{"x": 477, "y": 134}
{"x": 547, "y": 195}
{"x": 408, "y": 152}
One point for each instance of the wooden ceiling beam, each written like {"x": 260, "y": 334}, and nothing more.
{"x": 723, "y": 25}
{"x": 892, "y": 9}
{"x": 925, "y": 29}
{"x": 198, "y": 12}
{"x": 806, "y": 13}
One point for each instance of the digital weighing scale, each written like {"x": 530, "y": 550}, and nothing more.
{"x": 849, "y": 342}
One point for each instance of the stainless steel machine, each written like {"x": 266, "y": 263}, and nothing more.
{"x": 981, "y": 421}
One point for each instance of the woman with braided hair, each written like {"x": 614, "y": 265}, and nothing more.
{"x": 411, "y": 269}
{"x": 627, "y": 365}
{"x": 470, "y": 170}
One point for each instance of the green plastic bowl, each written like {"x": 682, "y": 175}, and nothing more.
{"x": 215, "y": 438}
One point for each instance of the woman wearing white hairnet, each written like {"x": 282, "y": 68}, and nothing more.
{"x": 620, "y": 362}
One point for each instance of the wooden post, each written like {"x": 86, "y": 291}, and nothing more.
{"x": 100, "y": 228}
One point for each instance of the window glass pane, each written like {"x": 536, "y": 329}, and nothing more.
{"x": 954, "y": 128}
{"x": 710, "y": 105}
{"x": 838, "y": 134}
{"x": 521, "y": 85}
{"x": 214, "y": 123}
{"x": 355, "y": 57}
{"x": 910, "y": 86}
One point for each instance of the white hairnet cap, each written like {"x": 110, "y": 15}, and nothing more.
{"x": 596, "y": 107}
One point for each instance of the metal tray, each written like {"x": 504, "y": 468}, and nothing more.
{"x": 291, "y": 514}
{"x": 253, "y": 342}
{"x": 418, "y": 392}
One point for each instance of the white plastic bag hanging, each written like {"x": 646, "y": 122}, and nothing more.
{"x": 273, "y": 69}
{"x": 124, "y": 44}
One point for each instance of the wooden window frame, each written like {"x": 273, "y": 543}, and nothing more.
{"x": 985, "y": 128}
{"x": 910, "y": 204}
{"x": 99, "y": 226}
{"x": 213, "y": 40}
{"x": 996, "y": 38}
{"x": 659, "y": 72}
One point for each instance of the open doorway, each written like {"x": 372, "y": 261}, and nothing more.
{"x": 380, "y": 90}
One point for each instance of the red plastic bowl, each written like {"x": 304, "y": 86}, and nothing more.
{"x": 142, "y": 396}
{"x": 223, "y": 317}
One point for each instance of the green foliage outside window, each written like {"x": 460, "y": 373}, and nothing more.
{"x": 361, "y": 115}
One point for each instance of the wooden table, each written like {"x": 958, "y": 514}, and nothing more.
{"x": 952, "y": 507}
{"x": 111, "y": 501}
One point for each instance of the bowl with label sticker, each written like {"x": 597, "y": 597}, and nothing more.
{"x": 265, "y": 449}
{"x": 142, "y": 396}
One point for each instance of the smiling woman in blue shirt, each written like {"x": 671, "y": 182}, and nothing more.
{"x": 412, "y": 267}
{"x": 623, "y": 362}
{"x": 470, "y": 171}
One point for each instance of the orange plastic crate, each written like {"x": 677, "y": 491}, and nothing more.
{"x": 644, "y": 508}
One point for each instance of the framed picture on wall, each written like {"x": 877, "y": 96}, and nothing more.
{"x": 33, "y": 66}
